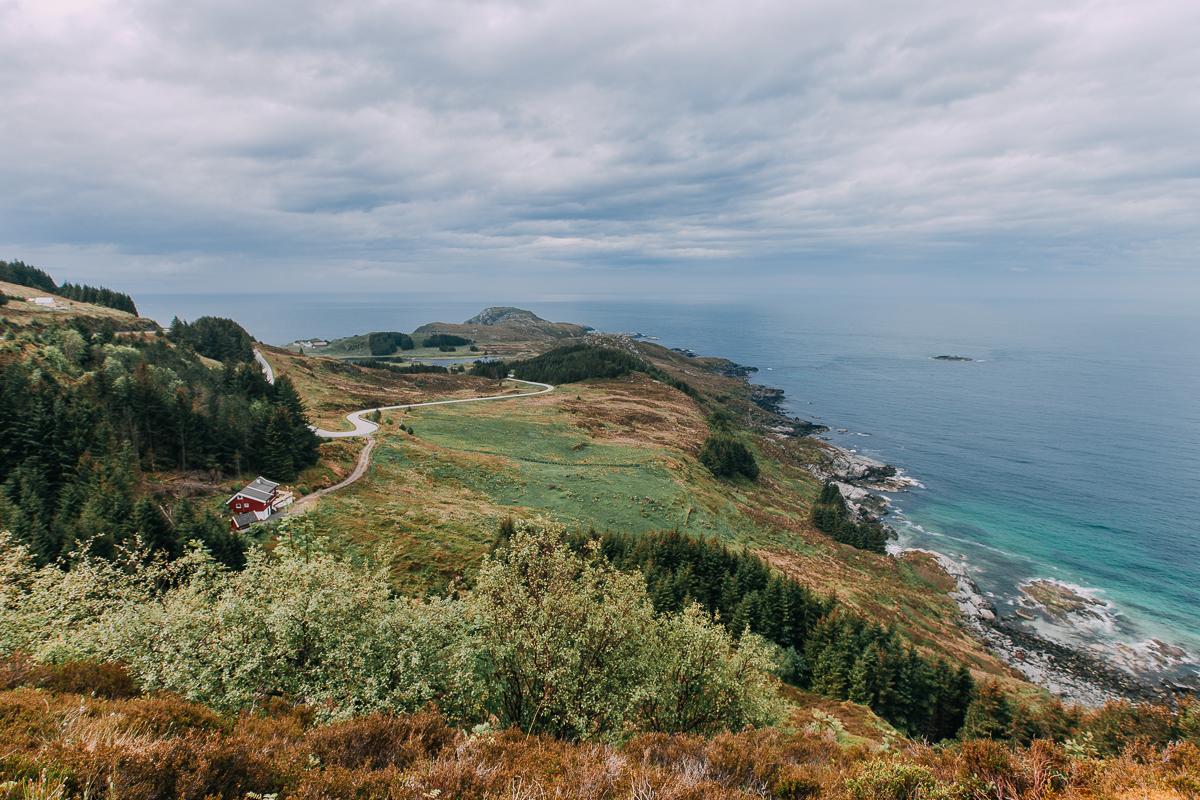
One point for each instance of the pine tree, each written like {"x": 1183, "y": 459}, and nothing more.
{"x": 989, "y": 715}
{"x": 277, "y": 448}
{"x": 149, "y": 524}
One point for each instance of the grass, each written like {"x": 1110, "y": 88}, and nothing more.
{"x": 434, "y": 500}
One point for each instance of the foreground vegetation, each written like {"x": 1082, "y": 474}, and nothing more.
{"x": 546, "y": 640}
{"x": 88, "y": 732}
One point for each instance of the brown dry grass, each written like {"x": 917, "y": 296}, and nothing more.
{"x": 22, "y": 313}
{"x": 56, "y": 744}
{"x": 637, "y": 410}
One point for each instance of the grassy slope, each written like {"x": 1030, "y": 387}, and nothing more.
{"x": 21, "y": 313}
{"x": 614, "y": 455}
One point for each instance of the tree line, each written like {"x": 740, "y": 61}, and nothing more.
{"x": 831, "y": 515}
{"x": 384, "y": 343}
{"x": 441, "y": 340}
{"x": 23, "y": 274}
{"x": 828, "y": 649}
{"x": 84, "y": 417}
{"x": 98, "y": 296}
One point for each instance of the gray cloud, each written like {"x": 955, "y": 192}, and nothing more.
{"x": 178, "y": 145}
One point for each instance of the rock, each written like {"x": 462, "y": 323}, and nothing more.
{"x": 951, "y": 358}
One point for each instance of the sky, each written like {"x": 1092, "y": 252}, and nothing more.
{"x": 603, "y": 148}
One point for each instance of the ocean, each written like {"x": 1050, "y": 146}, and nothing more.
{"x": 1066, "y": 450}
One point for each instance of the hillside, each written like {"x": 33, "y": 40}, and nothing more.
{"x": 21, "y": 311}
{"x": 459, "y": 571}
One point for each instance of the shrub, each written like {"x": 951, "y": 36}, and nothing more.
{"x": 728, "y": 457}
{"x": 548, "y": 640}
{"x": 578, "y": 652}
{"x": 893, "y": 780}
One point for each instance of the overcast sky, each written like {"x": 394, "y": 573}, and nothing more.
{"x": 608, "y": 147}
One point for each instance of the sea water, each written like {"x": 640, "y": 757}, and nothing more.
{"x": 1066, "y": 449}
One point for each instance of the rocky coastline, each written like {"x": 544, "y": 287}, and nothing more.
{"x": 1075, "y": 674}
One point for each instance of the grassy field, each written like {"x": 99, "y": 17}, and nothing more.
{"x": 434, "y": 500}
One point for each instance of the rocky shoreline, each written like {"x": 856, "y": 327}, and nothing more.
{"x": 1073, "y": 673}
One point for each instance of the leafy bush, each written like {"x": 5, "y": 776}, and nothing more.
{"x": 894, "y": 780}
{"x": 548, "y": 640}
{"x": 579, "y": 652}
{"x": 829, "y": 649}
{"x": 728, "y": 457}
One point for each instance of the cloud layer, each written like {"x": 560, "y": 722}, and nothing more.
{"x": 202, "y": 145}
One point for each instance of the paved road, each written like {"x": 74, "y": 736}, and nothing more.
{"x": 268, "y": 373}
{"x": 364, "y": 427}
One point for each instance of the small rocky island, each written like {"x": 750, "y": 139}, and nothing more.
{"x": 952, "y": 358}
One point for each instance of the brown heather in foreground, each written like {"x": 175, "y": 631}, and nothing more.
{"x": 83, "y": 731}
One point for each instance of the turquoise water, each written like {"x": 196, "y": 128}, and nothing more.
{"x": 1068, "y": 450}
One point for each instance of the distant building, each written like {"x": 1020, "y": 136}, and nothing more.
{"x": 256, "y": 502}
{"x": 45, "y": 302}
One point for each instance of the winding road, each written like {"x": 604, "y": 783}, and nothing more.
{"x": 367, "y": 428}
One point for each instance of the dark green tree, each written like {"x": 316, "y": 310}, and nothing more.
{"x": 728, "y": 457}
{"x": 989, "y": 715}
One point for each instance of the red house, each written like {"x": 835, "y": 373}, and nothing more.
{"x": 257, "y": 501}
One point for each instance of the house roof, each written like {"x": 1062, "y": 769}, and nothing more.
{"x": 242, "y": 520}
{"x": 259, "y": 489}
